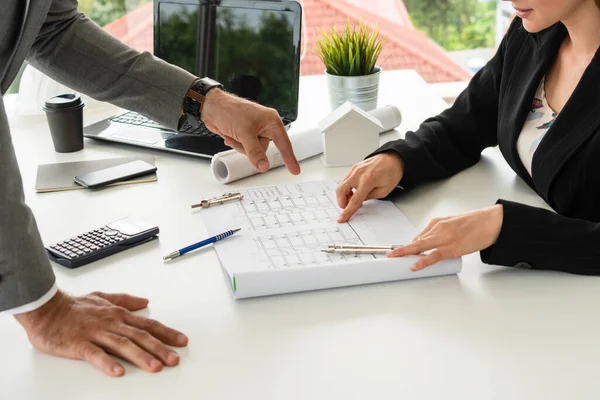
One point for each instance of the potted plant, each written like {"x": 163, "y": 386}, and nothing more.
{"x": 350, "y": 59}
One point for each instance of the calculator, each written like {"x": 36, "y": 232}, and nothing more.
{"x": 98, "y": 243}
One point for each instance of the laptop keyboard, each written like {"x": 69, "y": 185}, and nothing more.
{"x": 133, "y": 118}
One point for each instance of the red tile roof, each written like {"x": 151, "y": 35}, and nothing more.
{"x": 407, "y": 48}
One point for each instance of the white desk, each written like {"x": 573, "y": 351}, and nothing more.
{"x": 490, "y": 333}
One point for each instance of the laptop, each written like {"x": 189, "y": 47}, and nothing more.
{"x": 251, "y": 47}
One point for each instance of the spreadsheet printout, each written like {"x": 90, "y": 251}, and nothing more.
{"x": 287, "y": 226}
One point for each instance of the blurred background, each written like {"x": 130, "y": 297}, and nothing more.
{"x": 445, "y": 41}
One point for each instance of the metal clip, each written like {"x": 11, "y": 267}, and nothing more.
{"x": 225, "y": 198}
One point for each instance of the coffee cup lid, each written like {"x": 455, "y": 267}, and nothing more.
{"x": 63, "y": 101}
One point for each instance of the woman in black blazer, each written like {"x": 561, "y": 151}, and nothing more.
{"x": 550, "y": 51}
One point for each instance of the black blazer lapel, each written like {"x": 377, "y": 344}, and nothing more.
{"x": 574, "y": 125}
{"x": 526, "y": 75}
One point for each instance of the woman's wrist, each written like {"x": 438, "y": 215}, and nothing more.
{"x": 497, "y": 213}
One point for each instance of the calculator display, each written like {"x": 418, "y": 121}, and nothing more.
{"x": 129, "y": 226}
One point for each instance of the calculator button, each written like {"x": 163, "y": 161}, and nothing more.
{"x": 111, "y": 232}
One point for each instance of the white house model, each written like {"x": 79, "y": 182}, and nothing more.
{"x": 349, "y": 135}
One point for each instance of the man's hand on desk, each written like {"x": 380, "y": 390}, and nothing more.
{"x": 248, "y": 127}
{"x": 373, "y": 178}
{"x": 90, "y": 327}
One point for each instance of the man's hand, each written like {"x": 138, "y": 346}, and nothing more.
{"x": 248, "y": 127}
{"x": 372, "y": 178}
{"x": 89, "y": 327}
{"x": 454, "y": 236}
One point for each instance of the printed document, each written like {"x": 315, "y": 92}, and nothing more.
{"x": 286, "y": 227}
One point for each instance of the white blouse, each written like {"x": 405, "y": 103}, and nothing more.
{"x": 539, "y": 120}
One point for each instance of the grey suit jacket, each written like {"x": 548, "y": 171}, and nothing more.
{"x": 56, "y": 38}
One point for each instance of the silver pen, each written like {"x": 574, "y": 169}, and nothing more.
{"x": 359, "y": 249}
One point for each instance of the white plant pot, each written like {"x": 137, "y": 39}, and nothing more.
{"x": 359, "y": 90}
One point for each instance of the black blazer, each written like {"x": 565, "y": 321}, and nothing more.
{"x": 565, "y": 167}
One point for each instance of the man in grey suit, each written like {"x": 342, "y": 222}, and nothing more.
{"x": 55, "y": 38}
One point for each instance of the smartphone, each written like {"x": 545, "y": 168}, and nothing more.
{"x": 114, "y": 174}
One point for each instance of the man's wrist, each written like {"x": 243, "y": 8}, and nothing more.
{"x": 196, "y": 98}
{"x": 56, "y": 302}
{"x": 211, "y": 105}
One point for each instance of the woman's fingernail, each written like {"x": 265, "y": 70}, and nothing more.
{"x": 155, "y": 364}
{"x": 118, "y": 370}
{"x": 263, "y": 165}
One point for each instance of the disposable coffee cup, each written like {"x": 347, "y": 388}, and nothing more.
{"x": 65, "y": 118}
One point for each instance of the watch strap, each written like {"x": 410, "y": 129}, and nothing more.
{"x": 196, "y": 97}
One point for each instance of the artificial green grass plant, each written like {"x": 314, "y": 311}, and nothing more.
{"x": 352, "y": 52}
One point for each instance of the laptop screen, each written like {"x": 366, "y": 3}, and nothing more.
{"x": 251, "y": 47}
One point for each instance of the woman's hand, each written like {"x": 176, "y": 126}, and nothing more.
{"x": 454, "y": 236}
{"x": 372, "y": 178}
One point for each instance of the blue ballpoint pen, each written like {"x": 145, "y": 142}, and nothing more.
{"x": 203, "y": 243}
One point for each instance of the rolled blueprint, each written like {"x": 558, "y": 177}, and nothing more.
{"x": 229, "y": 166}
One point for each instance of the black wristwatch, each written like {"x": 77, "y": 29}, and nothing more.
{"x": 194, "y": 100}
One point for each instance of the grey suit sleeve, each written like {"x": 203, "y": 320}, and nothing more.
{"x": 25, "y": 272}
{"x": 75, "y": 51}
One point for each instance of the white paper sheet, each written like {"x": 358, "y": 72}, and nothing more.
{"x": 229, "y": 166}
{"x": 284, "y": 229}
